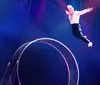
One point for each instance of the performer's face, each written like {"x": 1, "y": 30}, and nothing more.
{"x": 71, "y": 11}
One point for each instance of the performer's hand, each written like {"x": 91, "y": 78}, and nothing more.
{"x": 90, "y": 9}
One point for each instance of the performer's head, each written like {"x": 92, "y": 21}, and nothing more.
{"x": 70, "y": 9}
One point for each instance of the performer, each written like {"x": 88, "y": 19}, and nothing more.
{"x": 74, "y": 17}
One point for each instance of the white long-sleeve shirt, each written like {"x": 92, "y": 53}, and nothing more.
{"x": 74, "y": 18}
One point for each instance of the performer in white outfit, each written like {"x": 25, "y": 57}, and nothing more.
{"x": 74, "y": 17}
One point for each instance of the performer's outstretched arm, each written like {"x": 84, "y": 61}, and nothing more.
{"x": 85, "y": 11}
{"x": 66, "y": 12}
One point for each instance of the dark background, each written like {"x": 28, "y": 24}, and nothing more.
{"x": 25, "y": 20}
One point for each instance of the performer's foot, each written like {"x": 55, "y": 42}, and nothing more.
{"x": 90, "y": 44}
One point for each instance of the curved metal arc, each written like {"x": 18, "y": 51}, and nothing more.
{"x": 50, "y": 39}
{"x": 63, "y": 59}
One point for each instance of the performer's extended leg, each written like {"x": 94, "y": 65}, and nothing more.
{"x": 76, "y": 28}
{"x": 84, "y": 38}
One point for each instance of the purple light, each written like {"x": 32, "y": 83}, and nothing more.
{"x": 40, "y": 10}
{"x": 62, "y": 4}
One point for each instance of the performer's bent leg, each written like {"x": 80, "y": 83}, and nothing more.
{"x": 84, "y": 38}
